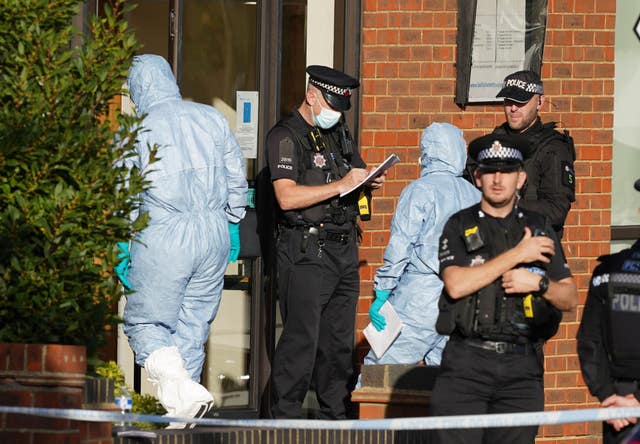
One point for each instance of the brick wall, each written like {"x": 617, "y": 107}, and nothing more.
{"x": 51, "y": 376}
{"x": 46, "y": 376}
{"x": 408, "y": 81}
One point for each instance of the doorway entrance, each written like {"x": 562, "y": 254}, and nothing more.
{"x": 219, "y": 49}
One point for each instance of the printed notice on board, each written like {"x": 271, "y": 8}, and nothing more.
{"x": 498, "y": 46}
{"x": 247, "y": 122}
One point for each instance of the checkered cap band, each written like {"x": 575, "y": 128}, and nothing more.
{"x": 498, "y": 152}
{"x": 331, "y": 88}
{"x": 530, "y": 87}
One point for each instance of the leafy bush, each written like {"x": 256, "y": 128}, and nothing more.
{"x": 64, "y": 202}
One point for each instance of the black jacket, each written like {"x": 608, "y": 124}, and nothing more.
{"x": 607, "y": 344}
{"x": 550, "y": 186}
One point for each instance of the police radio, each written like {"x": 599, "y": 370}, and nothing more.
{"x": 347, "y": 141}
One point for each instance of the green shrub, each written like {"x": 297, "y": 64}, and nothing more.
{"x": 63, "y": 200}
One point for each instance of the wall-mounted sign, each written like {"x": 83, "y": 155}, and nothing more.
{"x": 498, "y": 46}
{"x": 247, "y": 122}
{"x": 496, "y": 38}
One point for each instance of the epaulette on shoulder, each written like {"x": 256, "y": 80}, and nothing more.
{"x": 292, "y": 123}
{"x": 555, "y": 128}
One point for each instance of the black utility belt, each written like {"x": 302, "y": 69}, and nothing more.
{"x": 322, "y": 234}
{"x": 500, "y": 347}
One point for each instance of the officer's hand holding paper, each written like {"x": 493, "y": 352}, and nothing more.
{"x": 376, "y": 172}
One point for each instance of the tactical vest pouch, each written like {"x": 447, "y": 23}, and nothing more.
{"x": 545, "y": 318}
{"x": 317, "y": 213}
{"x": 486, "y": 317}
{"x": 456, "y": 315}
{"x": 446, "y": 323}
{"x": 465, "y": 315}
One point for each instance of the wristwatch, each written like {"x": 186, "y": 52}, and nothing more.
{"x": 543, "y": 285}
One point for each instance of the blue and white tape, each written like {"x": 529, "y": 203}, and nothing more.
{"x": 422, "y": 423}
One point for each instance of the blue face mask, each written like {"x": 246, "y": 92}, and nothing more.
{"x": 327, "y": 118}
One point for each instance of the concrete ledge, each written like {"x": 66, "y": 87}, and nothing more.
{"x": 385, "y": 397}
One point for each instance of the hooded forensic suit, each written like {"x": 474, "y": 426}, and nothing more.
{"x": 410, "y": 268}
{"x": 178, "y": 261}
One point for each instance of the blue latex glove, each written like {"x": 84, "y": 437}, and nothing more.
{"x": 122, "y": 269}
{"x": 378, "y": 321}
{"x": 234, "y": 238}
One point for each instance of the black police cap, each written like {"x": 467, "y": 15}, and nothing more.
{"x": 335, "y": 85}
{"x": 499, "y": 152}
{"x": 521, "y": 86}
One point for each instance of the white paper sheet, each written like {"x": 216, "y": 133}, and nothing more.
{"x": 388, "y": 163}
{"x": 381, "y": 340}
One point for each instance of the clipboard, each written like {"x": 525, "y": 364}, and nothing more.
{"x": 377, "y": 171}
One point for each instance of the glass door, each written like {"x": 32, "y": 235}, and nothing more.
{"x": 212, "y": 46}
{"x": 218, "y": 57}
{"x": 217, "y": 48}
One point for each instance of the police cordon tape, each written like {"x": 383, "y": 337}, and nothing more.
{"x": 421, "y": 423}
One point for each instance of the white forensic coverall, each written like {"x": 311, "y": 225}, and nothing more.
{"x": 198, "y": 186}
{"x": 410, "y": 265}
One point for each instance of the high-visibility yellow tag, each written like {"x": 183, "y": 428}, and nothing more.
{"x": 469, "y": 231}
{"x": 363, "y": 204}
{"x": 527, "y": 304}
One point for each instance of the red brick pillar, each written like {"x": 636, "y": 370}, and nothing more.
{"x": 41, "y": 375}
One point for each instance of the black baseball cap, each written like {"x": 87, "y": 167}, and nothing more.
{"x": 499, "y": 152}
{"x": 335, "y": 85}
{"x": 521, "y": 86}
{"x": 637, "y": 185}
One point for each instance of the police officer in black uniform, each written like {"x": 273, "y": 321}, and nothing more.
{"x": 608, "y": 345}
{"x": 312, "y": 160}
{"x": 550, "y": 186}
{"x": 505, "y": 283}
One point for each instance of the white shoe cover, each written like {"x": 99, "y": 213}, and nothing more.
{"x": 181, "y": 396}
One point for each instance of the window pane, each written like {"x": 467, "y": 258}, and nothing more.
{"x": 219, "y": 56}
{"x": 226, "y": 372}
{"x": 626, "y": 126}
{"x": 294, "y": 54}
{"x": 150, "y": 22}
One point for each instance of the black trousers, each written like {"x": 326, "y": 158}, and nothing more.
{"x": 477, "y": 381}
{"x": 318, "y": 289}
